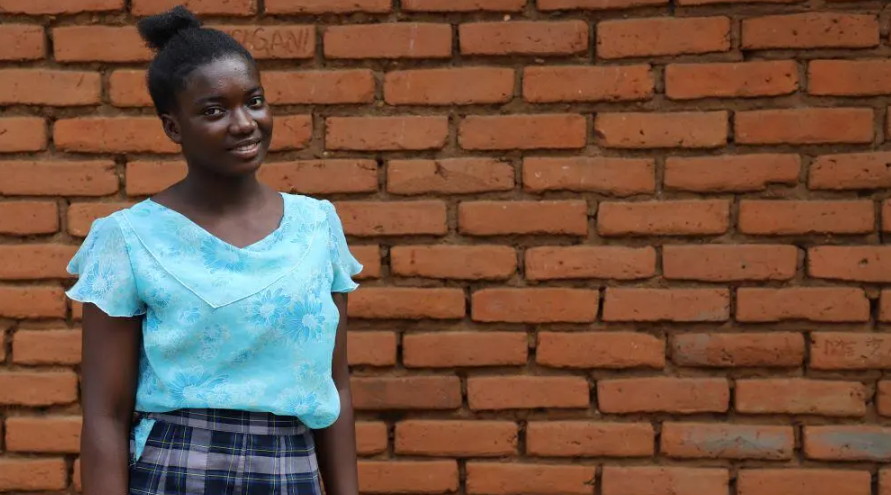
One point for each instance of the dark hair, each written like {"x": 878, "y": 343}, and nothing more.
{"x": 182, "y": 45}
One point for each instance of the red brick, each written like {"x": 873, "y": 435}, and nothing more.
{"x": 460, "y": 349}
{"x": 34, "y": 389}
{"x": 293, "y": 132}
{"x": 847, "y": 443}
{"x": 850, "y": 351}
{"x": 732, "y": 350}
{"x": 610, "y": 350}
{"x": 99, "y": 44}
{"x": 791, "y": 217}
{"x": 52, "y": 7}
{"x": 318, "y": 87}
{"x": 680, "y": 217}
{"x": 19, "y": 134}
{"x": 457, "y": 86}
{"x": 393, "y": 218}
{"x": 524, "y": 38}
{"x": 93, "y": 178}
{"x": 449, "y": 176}
{"x": 4, "y": 328}
{"x": 127, "y": 88}
{"x": 810, "y": 30}
{"x": 82, "y": 215}
{"x": 492, "y": 218}
{"x": 851, "y": 171}
{"x": 371, "y": 437}
{"x": 681, "y": 305}
{"x": 456, "y": 438}
{"x": 857, "y": 263}
{"x": 589, "y": 439}
{"x": 409, "y": 40}
{"x": 545, "y": 5}
{"x": 886, "y": 216}
{"x": 370, "y": 258}
{"x": 407, "y": 303}
{"x": 804, "y": 126}
{"x": 46, "y": 347}
{"x": 800, "y": 396}
{"x": 803, "y": 482}
{"x": 535, "y": 305}
{"x": 321, "y": 176}
{"x": 657, "y": 480}
{"x": 454, "y": 262}
{"x": 726, "y": 263}
{"x": 605, "y": 175}
{"x": 407, "y": 392}
{"x": 849, "y": 77}
{"x": 661, "y": 130}
{"x": 728, "y": 173}
{"x": 29, "y": 217}
{"x": 662, "y": 36}
{"x": 390, "y": 477}
{"x": 885, "y": 308}
{"x": 371, "y": 348}
{"x": 883, "y": 398}
{"x": 508, "y": 132}
{"x": 521, "y": 479}
{"x": 33, "y": 474}
{"x": 49, "y": 87}
{"x": 295, "y": 41}
{"x": 201, "y": 7}
{"x": 717, "y": 441}
{"x": 46, "y": 434}
{"x": 22, "y": 42}
{"x": 663, "y": 394}
{"x": 487, "y": 393}
{"x": 600, "y": 262}
{"x": 35, "y": 261}
{"x": 150, "y": 177}
{"x": 462, "y": 5}
{"x": 386, "y": 133}
{"x": 884, "y": 474}
{"x": 22, "y": 301}
{"x": 327, "y": 6}
{"x": 731, "y": 80}
{"x": 115, "y": 135}
{"x": 584, "y": 84}
{"x": 820, "y": 304}
{"x": 710, "y": 2}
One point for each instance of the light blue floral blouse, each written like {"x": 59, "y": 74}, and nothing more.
{"x": 231, "y": 328}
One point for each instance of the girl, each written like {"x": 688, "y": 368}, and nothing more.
{"x": 216, "y": 309}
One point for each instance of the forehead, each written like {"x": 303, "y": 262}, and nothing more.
{"x": 221, "y": 77}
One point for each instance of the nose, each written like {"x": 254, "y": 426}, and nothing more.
{"x": 242, "y": 122}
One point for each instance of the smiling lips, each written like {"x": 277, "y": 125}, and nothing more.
{"x": 247, "y": 150}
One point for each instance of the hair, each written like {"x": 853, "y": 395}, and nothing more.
{"x": 182, "y": 45}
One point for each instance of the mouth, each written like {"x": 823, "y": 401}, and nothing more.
{"x": 247, "y": 149}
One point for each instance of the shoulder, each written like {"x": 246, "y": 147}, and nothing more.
{"x": 304, "y": 205}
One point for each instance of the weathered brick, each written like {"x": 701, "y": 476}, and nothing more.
{"x": 368, "y": 219}
{"x": 849, "y": 77}
{"x": 585, "y": 84}
{"x": 804, "y": 126}
{"x": 449, "y": 176}
{"x": 289, "y": 41}
{"x": 766, "y": 217}
{"x": 49, "y": 87}
{"x": 18, "y": 134}
{"x": 491, "y": 478}
{"x": 127, "y": 88}
{"x": 851, "y": 171}
{"x": 36, "y": 388}
{"x": 611, "y": 350}
{"x": 22, "y": 42}
{"x": 99, "y": 44}
{"x": 407, "y": 303}
{"x": 327, "y": 6}
{"x": 202, "y": 7}
{"x": 850, "y": 351}
{"x": 662, "y": 36}
{"x": 732, "y": 350}
{"x": 51, "y": 7}
{"x": 803, "y": 482}
{"x": 810, "y": 30}
{"x": 535, "y": 305}
{"x": 883, "y": 398}
{"x": 462, "y": 5}
{"x": 22, "y": 301}
{"x": 663, "y": 394}
{"x": 386, "y": 133}
{"x": 729, "y": 173}
{"x": 33, "y": 474}
{"x": 885, "y": 306}
{"x": 112, "y": 135}
{"x": 388, "y": 477}
{"x": 662, "y": 130}
{"x": 408, "y": 392}
{"x": 847, "y": 443}
{"x": 458, "y": 86}
{"x": 45, "y": 434}
{"x": 318, "y": 87}
{"x": 92, "y": 178}
{"x": 731, "y": 80}
{"x": 599, "y": 262}
{"x": 371, "y": 348}
{"x": 681, "y": 305}
{"x": 605, "y": 175}
{"x": 800, "y": 396}
{"x": 857, "y": 263}
{"x": 293, "y": 132}
{"x": 487, "y": 393}
{"x": 454, "y": 262}
{"x": 505, "y": 132}
{"x": 546, "y": 5}
{"x": 371, "y": 437}
{"x": 492, "y": 218}
{"x": 147, "y": 177}
{"x": 820, "y": 304}
{"x": 321, "y": 176}
{"x": 589, "y": 439}
{"x": 464, "y": 349}
{"x": 82, "y": 215}
{"x": 676, "y": 218}
{"x": 389, "y": 41}
{"x": 35, "y": 261}
{"x": 710, "y": 441}
{"x": 369, "y": 256}
{"x": 657, "y": 480}
{"x": 28, "y": 217}
{"x": 523, "y": 38}
{"x": 725, "y": 263}
{"x": 456, "y": 438}
{"x": 46, "y": 347}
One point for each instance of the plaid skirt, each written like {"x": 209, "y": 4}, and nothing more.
{"x": 216, "y": 452}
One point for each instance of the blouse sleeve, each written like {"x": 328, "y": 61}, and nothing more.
{"x": 345, "y": 265}
{"x": 105, "y": 275}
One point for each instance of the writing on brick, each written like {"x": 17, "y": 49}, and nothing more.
{"x": 274, "y": 43}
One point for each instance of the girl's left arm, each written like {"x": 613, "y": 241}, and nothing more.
{"x": 337, "y": 443}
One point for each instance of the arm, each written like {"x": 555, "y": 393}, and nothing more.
{"x": 110, "y": 370}
{"x": 337, "y": 443}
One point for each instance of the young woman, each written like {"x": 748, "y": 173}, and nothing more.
{"x": 216, "y": 309}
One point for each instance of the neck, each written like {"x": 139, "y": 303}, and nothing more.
{"x": 220, "y": 193}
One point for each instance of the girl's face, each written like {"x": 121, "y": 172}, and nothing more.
{"x": 222, "y": 121}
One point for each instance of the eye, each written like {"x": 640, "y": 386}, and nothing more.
{"x": 257, "y": 102}
{"x": 213, "y": 112}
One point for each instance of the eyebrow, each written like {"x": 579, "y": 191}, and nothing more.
{"x": 215, "y": 98}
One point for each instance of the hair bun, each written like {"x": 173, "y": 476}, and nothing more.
{"x": 158, "y": 30}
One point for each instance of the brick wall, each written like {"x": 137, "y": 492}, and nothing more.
{"x": 613, "y": 247}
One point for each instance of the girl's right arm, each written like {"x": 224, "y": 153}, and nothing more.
{"x": 110, "y": 369}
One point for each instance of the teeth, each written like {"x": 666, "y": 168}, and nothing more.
{"x": 246, "y": 147}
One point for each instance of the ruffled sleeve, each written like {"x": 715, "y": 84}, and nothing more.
{"x": 105, "y": 275}
{"x": 345, "y": 265}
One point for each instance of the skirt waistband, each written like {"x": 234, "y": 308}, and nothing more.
{"x": 243, "y": 422}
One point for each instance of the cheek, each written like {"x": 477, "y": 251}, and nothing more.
{"x": 208, "y": 131}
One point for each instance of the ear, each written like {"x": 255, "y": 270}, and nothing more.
{"x": 171, "y": 128}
